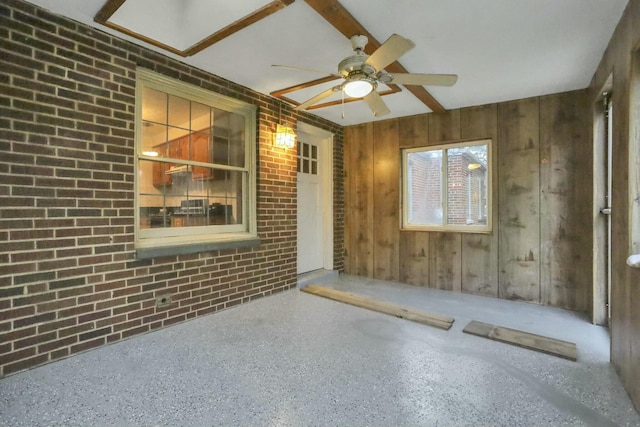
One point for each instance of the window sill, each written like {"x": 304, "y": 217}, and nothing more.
{"x": 193, "y": 247}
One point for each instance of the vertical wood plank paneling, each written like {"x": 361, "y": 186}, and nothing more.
{"x": 413, "y": 131}
{"x": 633, "y": 274}
{"x": 414, "y": 245}
{"x": 445, "y": 249}
{"x": 480, "y": 251}
{"x": 519, "y": 196}
{"x": 386, "y": 200}
{"x": 360, "y": 210}
{"x": 625, "y": 292}
{"x": 565, "y": 180}
{"x": 414, "y": 258}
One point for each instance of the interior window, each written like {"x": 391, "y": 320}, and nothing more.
{"x": 195, "y": 172}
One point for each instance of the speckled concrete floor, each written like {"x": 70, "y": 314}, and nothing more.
{"x": 295, "y": 359}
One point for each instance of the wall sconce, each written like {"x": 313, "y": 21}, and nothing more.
{"x": 285, "y": 137}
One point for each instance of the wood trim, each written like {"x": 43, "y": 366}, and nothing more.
{"x": 343, "y": 21}
{"x": 111, "y": 6}
{"x": 280, "y": 94}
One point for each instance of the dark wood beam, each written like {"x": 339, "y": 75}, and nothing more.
{"x": 343, "y": 21}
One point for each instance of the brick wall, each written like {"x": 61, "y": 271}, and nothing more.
{"x": 68, "y": 277}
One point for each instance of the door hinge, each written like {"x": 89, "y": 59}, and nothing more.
{"x": 605, "y": 211}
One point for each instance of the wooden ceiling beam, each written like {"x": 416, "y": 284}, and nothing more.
{"x": 111, "y": 6}
{"x": 343, "y": 21}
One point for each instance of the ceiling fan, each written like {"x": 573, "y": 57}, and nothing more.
{"x": 362, "y": 73}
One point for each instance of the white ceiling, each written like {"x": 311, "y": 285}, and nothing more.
{"x": 500, "y": 49}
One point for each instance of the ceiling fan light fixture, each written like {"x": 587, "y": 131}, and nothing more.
{"x": 358, "y": 88}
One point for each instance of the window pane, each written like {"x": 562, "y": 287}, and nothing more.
{"x": 179, "y": 112}
{"x": 425, "y": 187}
{"x": 154, "y": 137}
{"x": 170, "y": 196}
{"x": 200, "y": 117}
{"x": 154, "y": 106}
{"x": 466, "y": 185}
{"x": 228, "y": 139}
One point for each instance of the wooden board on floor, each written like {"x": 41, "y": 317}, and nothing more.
{"x": 564, "y": 349}
{"x": 430, "y": 319}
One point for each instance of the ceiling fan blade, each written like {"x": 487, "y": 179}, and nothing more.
{"x": 319, "y": 97}
{"x": 424, "y": 79}
{"x": 306, "y": 70}
{"x": 392, "y": 49}
{"x": 377, "y": 105}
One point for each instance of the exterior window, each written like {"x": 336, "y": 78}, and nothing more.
{"x": 447, "y": 187}
{"x": 195, "y": 166}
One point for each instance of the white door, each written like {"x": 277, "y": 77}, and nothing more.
{"x": 310, "y": 219}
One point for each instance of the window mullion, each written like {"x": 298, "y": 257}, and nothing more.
{"x": 445, "y": 198}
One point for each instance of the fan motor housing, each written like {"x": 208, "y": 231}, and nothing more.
{"x": 355, "y": 64}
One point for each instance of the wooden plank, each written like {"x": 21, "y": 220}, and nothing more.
{"x": 445, "y": 249}
{"x": 444, "y": 127}
{"x": 436, "y": 320}
{"x": 386, "y": 199}
{"x": 359, "y": 208}
{"x": 552, "y": 346}
{"x": 519, "y": 195}
{"x": 336, "y": 14}
{"x": 414, "y": 130}
{"x": 445, "y": 262}
{"x": 480, "y": 251}
{"x": 414, "y": 257}
{"x": 414, "y": 245}
{"x": 566, "y": 179}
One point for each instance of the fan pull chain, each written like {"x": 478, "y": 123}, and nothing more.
{"x": 342, "y": 103}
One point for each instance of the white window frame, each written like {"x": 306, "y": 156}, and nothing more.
{"x": 405, "y": 178}
{"x": 175, "y": 240}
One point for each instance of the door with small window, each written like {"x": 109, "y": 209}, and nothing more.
{"x": 310, "y": 236}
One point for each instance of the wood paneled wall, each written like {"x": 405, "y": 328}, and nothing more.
{"x": 618, "y": 61}
{"x": 539, "y": 248}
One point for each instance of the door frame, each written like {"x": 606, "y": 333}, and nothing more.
{"x": 325, "y": 151}
{"x": 601, "y": 304}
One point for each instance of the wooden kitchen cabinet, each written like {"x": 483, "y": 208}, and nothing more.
{"x": 195, "y": 146}
{"x": 200, "y": 152}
